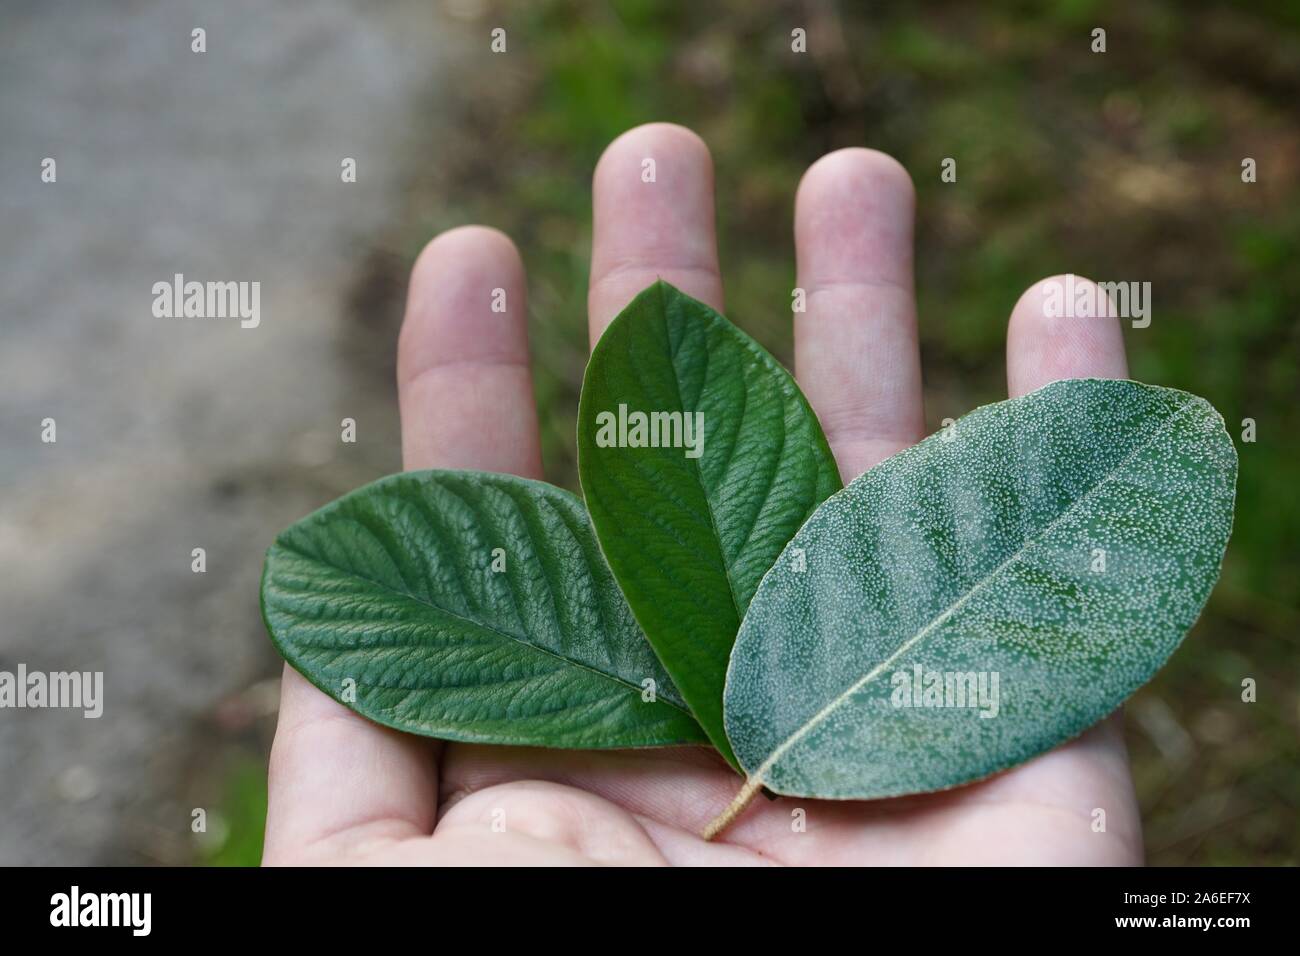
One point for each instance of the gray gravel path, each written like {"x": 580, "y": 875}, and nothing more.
{"x": 172, "y": 433}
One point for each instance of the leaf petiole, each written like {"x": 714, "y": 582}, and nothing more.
{"x": 734, "y": 809}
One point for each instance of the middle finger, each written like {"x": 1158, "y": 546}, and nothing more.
{"x": 652, "y": 211}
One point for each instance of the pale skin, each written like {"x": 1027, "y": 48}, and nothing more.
{"x": 344, "y": 790}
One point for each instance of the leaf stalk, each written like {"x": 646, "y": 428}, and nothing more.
{"x": 737, "y": 806}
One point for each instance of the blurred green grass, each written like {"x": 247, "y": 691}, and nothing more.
{"x": 234, "y": 829}
{"x": 1118, "y": 166}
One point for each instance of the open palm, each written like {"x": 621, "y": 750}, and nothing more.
{"x": 345, "y": 790}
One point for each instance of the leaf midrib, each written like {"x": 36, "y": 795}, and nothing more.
{"x": 476, "y": 624}
{"x": 695, "y": 463}
{"x": 784, "y": 747}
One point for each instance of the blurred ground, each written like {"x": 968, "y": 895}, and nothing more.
{"x": 172, "y": 433}
{"x": 1119, "y": 166}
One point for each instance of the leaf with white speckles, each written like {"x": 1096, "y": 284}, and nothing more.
{"x": 985, "y": 595}
{"x": 469, "y": 606}
{"x": 690, "y": 531}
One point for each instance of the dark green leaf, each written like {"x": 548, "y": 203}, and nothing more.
{"x": 400, "y": 588}
{"x": 1062, "y": 543}
{"x": 690, "y": 531}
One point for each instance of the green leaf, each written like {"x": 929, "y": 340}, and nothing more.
{"x": 400, "y": 587}
{"x": 1064, "y": 542}
{"x": 690, "y": 531}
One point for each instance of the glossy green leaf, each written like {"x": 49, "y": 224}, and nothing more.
{"x": 469, "y": 606}
{"x": 1061, "y": 544}
{"x": 690, "y": 526}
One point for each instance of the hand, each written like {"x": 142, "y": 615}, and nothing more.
{"x": 345, "y": 790}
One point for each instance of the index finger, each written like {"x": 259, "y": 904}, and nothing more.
{"x": 337, "y": 780}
